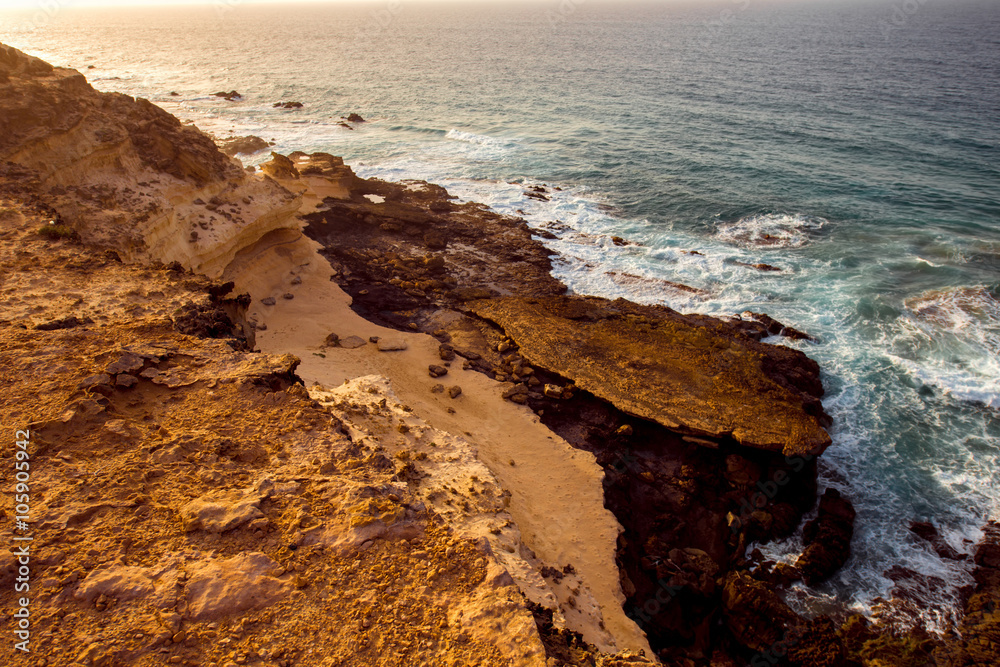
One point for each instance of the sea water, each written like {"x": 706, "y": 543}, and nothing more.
{"x": 855, "y": 148}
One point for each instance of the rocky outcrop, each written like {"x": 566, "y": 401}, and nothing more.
{"x": 827, "y": 538}
{"x": 124, "y": 174}
{"x": 696, "y": 380}
{"x": 213, "y": 511}
{"x": 242, "y": 145}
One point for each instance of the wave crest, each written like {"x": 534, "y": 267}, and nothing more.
{"x": 772, "y": 230}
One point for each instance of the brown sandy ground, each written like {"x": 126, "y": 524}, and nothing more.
{"x": 172, "y": 519}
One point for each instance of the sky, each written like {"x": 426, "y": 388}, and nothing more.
{"x": 54, "y": 4}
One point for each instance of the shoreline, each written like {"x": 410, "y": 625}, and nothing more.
{"x": 408, "y": 265}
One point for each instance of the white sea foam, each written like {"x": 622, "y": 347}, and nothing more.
{"x": 951, "y": 339}
{"x": 481, "y": 139}
{"x": 771, "y": 230}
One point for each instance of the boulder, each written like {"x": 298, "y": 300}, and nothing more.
{"x": 391, "y": 344}
{"x": 243, "y": 145}
{"x": 827, "y": 538}
{"x": 352, "y": 342}
{"x": 219, "y": 516}
{"x": 128, "y": 362}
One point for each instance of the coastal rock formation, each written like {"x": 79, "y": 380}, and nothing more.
{"x": 126, "y": 174}
{"x": 701, "y": 381}
{"x": 242, "y": 145}
{"x": 827, "y": 538}
{"x": 197, "y": 504}
{"x": 299, "y": 536}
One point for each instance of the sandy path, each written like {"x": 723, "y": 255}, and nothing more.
{"x": 557, "y": 499}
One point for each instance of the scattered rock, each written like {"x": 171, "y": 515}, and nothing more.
{"x": 391, "y": 344}
{"x": 353, "y": 342}
{"x": 129, "y": 362}
{"x": 354, "y": 118}
{"x": 219, "y": 516}
{"x": 231, "y": 96}
{"x": 437, "y": 371}
{"x": 288, "y": 105}
{"x": 268, "y": 301}
{"x": 332, "y": 340}
{"x": 288, "y": 295}
{"x": 63, "y": 323}
{"x": 553, "y": 391}
{"x": 455, "y": 391}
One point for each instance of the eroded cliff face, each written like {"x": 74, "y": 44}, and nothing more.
{"x": 124, "y": 176}
{"x": 386, "y": 517}
{"x": 128, "y": 175}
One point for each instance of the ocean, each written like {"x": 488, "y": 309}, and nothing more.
{"x": 855, "y": 148}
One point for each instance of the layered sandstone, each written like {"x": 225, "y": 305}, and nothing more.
{"x": 128, "y": 175}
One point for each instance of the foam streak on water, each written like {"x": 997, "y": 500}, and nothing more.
{"x": 864, "y": 170}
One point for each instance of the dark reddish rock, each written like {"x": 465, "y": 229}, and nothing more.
{"x": 929, "y": 533}
{"x": 437, "y": 371}
{"x": 288, "y": 105}
{"x": 354, "y": 118}
{"x": 126, "y": 381}
{"x": 760, "y": 325}
{"x": 231, "y": 96}
{"x": 827, "y": 538}
{"x": 65, "y": 323}
{"x": 128, "y": 362}
{"x": 754, "y": 613}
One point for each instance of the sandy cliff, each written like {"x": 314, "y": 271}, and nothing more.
{"x": 383, "y": 435}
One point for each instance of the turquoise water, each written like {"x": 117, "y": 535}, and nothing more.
{"x": 854, "y": 148}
